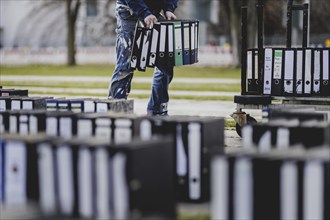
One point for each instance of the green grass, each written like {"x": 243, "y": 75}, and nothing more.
{"x": 106, "y": 71}
{"x": 142, "y": 86}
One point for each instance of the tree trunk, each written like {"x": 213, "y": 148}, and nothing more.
{"x": 235, "y": 30}
{"x": 72, "y": 9}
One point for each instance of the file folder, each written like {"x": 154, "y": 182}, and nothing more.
{"x": 82, "y": 105}
{"x": 51, "y": 104}
{"x": 4, "y": 122}
{"x": 178, "y": 43}
{"x": 317, "y": 72}
{"x": 136, "y": 47}
{"x": 325, "y": 86}
{"x": 162, "y": 56}
{"x": 192, "y": 42}
{"x": 63, "y": 105}
{"x": 308, "y": 72}
{"x": 186, "y": 42}
{"x": 277, "y": 80}
{"x": 144, "y": 49}
{"x": 5, "y": 103}
{"x": 196, "y": 40}
{"x": 170, "y": 45}
{"x": 16, "y": 103}
{"x": 30, "y": 103}
{"x": 299, "y": 72}
{"x": 194, "y": 149}
{"x": 47, "y": 181}
{"x": 268, "y": 71}
{"x": 13, "y": 92}
{"x": 289, "y": 71}
{"x": 153, "y": 50}
{"x": 252, "y": 70}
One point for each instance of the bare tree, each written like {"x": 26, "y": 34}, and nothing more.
{"x": 72, "y": 10}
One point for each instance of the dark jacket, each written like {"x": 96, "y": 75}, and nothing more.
{"x": 143, "y": 8}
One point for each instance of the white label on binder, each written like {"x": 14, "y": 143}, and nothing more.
{"x": 299, "y": 80}
{"x": 325, "y": 65}
{"x": 249, "y": 64}
{"x": 194, "y": 151}
{"x": 76, "y": 107}
{"x": 186, "y": 37}
{"x": 33, "y": 125}
{"x": 308, "y": 71}
{"x": 101, "y": 107}
{"x": 145, "y": 48}
{"x": 145, "y": 130}
{"x": 247, "y": 132}
{"x": 84, "y": 128}
{"x": 268, "y": 71}
{"x": 15, "y": 104}
{"x": 27, "y": 105}
{"x": 13, "y": 124}
{"x": 283, "y": 138}
{"x": 89, "y": 106}
{"x": 178, "y": 37}
{"x": 219, "y": 188}
{"x": 243, "y": 189}
{"x": 15, "y": 173}
{"x": 313, "y": 190}
{"x": 66, "y": 128}
{"x": 23, "y": 124}
{"x": 102, "y": 184}
{"x": 317, "y": 71}
{"x": 85, "y": 183}
{"x": 103, "y": 129}
{"x": 46, "y": 178}
{"x": 123, "y": 131}
{"x": 162, "y": 40}
{"x": 2, "y": 126}
{"x": 51, "y": 126}
{"x": 265, "y": 142}
{"x": 288, "y": 71}
{"x": 65, "y": 179}
{"x": 289, "y": 192}
{"x": 1, "y": 167}
{"x": 121, "y": 196}
{"x": 278, "y": 64}
{"x": 192, "y": 36}
{"x": 2, "y": 105}
{"x": 181, "y": 157}
{"x": 153, "y": 49}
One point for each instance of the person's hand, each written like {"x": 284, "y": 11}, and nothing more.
{"x": 150, "y": 20}
{"x": 169, "y": 15}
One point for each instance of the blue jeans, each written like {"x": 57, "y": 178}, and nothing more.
{"x": 120, "y": 84}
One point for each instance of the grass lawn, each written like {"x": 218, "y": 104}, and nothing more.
{"x": 106, "y": 70}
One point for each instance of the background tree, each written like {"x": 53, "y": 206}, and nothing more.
{"x": 72, "y": 10}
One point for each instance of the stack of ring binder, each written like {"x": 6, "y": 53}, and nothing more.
{"x": 167, "y": 44}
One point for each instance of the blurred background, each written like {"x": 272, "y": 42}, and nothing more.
{"x": 83, "y": 31}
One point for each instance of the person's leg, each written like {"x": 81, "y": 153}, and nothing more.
{"x": 159, "y": 94}
{"x": 120, "y": 84}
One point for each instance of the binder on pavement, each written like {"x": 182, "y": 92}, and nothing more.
{"x": 308, "y": 72}
{"x": 317, "y": 72}
{"x": 277, "y": 80}
{"x": 289, "y": 70}
{"x": 325, "y": 86}
{"x": 268, "y": 71}
{"x": 299, "y": 72}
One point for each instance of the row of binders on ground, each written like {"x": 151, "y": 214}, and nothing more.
{"x": 167, "y": 44}
{"x": 124, "y": 166}
{"x": 290, "y": 71}
{"x": 281, "y": 172}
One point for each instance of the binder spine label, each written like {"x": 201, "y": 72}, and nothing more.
{"x": 194, "y": 151}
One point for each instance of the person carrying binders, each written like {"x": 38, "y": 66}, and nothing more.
{"x": 128, "y": 12}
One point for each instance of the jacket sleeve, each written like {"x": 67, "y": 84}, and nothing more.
{"x": 139, "y": 8}
{"x": 171, "y": 5}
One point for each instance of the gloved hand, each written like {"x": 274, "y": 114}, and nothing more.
{"x": 169, "y": 15}
{"x": 150, "y": 20}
